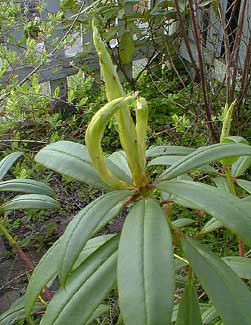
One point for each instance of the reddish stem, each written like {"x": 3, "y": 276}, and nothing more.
{"x": 31, "y": 267}
{"x": 241, "y": 247}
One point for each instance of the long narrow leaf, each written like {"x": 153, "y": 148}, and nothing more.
{"x": 16, "y": 312}
{"x": 118, "y": 163}
{"x": 45, "y": 271}
{"x": 30, "y": 201}
{"x": 246, "y": 185}
{"x": 225, "y": 207}
{"x": 240, "y": 166}
{"x": 209, "y": 315}
{"x": 26, "y": 186}
{"x": 229, "y": 294}
{"x": 7, "y": 162}
{"x": 146, "y": 266}
{"x": 171, "y": 160}
{"x": 204, "y": 156}
{"x": 82, "y": 227}
{"x": 183, "y": 222}
{"x": 221, "y": 183}
{"x": 91, "y": 246}
{"x": 164, "y": 160}
{"x": 240, "y": 265}
{"x": 70, "y": 159}
{"x": 85, "y": 288}
{"x": 189, "y": 309}
{"x": 102, "y": 309}
{"x": 211, "y": 225}
{"x": 168, "y": 150}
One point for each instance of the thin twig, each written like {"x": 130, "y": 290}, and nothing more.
{"x": 202, "y": 67}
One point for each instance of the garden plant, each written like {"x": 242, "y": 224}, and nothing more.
{"x": 140, "y": 264}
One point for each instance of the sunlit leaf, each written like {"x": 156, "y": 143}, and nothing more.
{"x": 126, "y": 47}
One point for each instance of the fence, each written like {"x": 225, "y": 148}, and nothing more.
{"x": 64, "y": 62}
{"x": 211, "y": 33}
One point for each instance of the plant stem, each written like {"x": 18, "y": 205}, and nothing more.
{"x": 181, "y": 258}
{"x": 22, "y": 255}
{"x": 232, "y": 190}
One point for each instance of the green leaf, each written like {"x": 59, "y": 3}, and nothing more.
{"x": 7, "y": 162}
{"x": 45, "y": 271}
{"x": 182, "y": 222}
{"x": 189, "y": 310}
{"x": 126, "y": 47}
{"x": 118, "y": 164}
{"x": 205, "y": 155}
{"x": 111, "y": 33}
{"x": 26, "y": 186}
{"x": 240, "y": 166}
{"x": 211, "y": 225}
{"x": 146, "y": 266}
{"x": 246, "y": 185}
{"x": 16, "y": 312}
{"x": 225, "y": 207}
{"x": 85, "y": 289}
{"x": 228, "y": 293}
{"x": 221, "y": 183}
{"x": 91, "y": 246}
{"x": 240, "y": 265}
{"x": 170, "y": 160}
{"x": 68, "y": 4}
{"x": 164, "y": 160}
{"x": 233, "y": 139}
{"x": 102, "y": 309}
{"x": 209, "y": 315}
{"x": 70, "y": 159}
{"x": 30, "y": 201}
{"x": 168, "y": 150}
{"x": 82, "y": 227}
